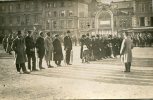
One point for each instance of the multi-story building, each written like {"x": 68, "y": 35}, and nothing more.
{"x": 57, "y": 16}
{"x": 122, "y": 14}
{"x": 143, "y": 13}
{"x": 19, "y": 15}
{"x": 62, "y": 15}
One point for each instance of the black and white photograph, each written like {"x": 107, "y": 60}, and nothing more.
{"x": 76, "y": 49}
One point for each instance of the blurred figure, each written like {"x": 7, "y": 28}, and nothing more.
{"x": 85, "y": 54}
{"x": 68, "y": 47}
{"x": 58, "y": 55}
{"x": 9, "y": 43}
{"x": 4, "y": 42}
{"x": 18, "y": 46}
{"x": 82, "y": 41}
{"x": 30, "y": 51}
{"x": 40, "y": 48}
{"x": 48, "y": 49}
{"x": 126, "y": 51}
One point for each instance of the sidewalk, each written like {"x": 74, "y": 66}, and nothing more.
{"x": 97, "y": 80}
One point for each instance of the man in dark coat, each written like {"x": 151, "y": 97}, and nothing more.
{"x": 58, "y": 55}
{"x": 18, "y": 46}
{"x": 4, "y": 42}
{"x": 40, "y": 48}
{"x": 68, "y": 47}
{"x": 30, "y": 51}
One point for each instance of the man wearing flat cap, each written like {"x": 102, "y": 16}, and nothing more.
{"x": 18, "y": 46}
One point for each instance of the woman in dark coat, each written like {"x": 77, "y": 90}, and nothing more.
{"x": 58, "y": 55}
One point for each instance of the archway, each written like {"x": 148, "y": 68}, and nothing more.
{"x": 104, "y": 22}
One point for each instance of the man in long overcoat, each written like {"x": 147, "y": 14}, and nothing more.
{"x": 30, "y": 51}
{"x": 40, "y": 48}
{"x": 68, "y": 47}
{"x": 126, "y": 51}
{"x": 18, "y": 46}
{"x": 58, "y": 55}
{"x": 48, "y": 49}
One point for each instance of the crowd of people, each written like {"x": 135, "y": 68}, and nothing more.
{"x": 99, "y": 47}
{"x": 28, "y": 48}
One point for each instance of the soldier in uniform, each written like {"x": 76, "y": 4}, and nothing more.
{"x": 18, "y": 46}
{"x": 68, "y": 47}
{"x": 126, "y": 51}
{"x": 40, "y": 48}
{"x": 30, "y": 51}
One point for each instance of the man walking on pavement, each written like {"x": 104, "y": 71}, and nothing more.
{"x": 126, "y": 51}
{"x": 30, "y": 51}
{"x": 68, "y": 47}
{"x": 18, "y": 46}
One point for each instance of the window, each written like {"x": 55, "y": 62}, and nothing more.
{"x": 62, "y": 24}
{"x": 54, "y": 24}
{"x": 47, "y": 5}
{"x": 10, "y": 8}
{"x": 70, "y": 13}
{"x": 10, "y": 20}
{"x": 142, "y": 21}
{"x": 35, "y": 19}
{"x": 27, "y": 19}
{"x": 55, "y": 14}
{"x": 49, "y": 14}
{"x": 18, "y": 6}
{"x": 70, "y": 23}
{"x": 36, "y": 6}
{"x": 63, "y": 13}
{"x": 54, "y": 4}
{"x": 62, "y": 4}
{"x": 150, "y": 7}
{"x": 143, "y": 8}
{"x": 69, "y": 3}
{"x": 18, "y": 19}
{"x": 47, "y": 24}
{"x": 27, "y": 6}
{"x": 151, "y": 21}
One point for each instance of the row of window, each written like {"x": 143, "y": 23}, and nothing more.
{"x": 145, "y": 21}
{"x": 26, "y": 20}
{"x": 54, "y": 24}
{"x": 145, "y": 7}
{"x": 18, "y": 6}
{"x": 61, "y": 3}
{"x": 62, "y": 13}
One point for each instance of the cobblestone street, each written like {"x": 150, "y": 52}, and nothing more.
{"x": 99, "y": 79}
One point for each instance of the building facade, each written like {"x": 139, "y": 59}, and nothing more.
{"x": 143, "y": 13}
{"x": 56, "y": 16}
{"x": 20, "y": 15}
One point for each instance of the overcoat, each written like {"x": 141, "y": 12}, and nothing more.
{"x": 18, "y": 46}
{"x": 40, "y": 47}
{"x": 30, "y": 45}
{"x": 58, "y": 55}
{"x": 126, "y": 50}
{"x": 48, "y": 44}
{"x": 67, "y": 43}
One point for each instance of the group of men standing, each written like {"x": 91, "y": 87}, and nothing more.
{"x": 29, "y": 49}
{"x": 101, "y": 47}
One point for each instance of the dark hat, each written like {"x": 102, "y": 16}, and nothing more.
{"x": 56, "y": 35}
{"x": 68, "y": 31}
{"x": 19, "y": 33}
{"x": 29, "y": 32}
{"x": 97, "y": 35}
{"x": 87, "y": 34}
